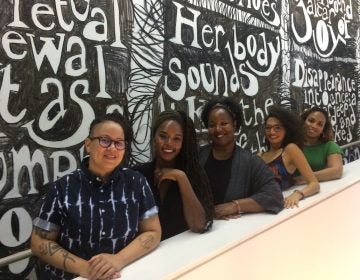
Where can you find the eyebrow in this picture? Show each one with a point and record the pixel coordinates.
(107, 136)
(163, 131)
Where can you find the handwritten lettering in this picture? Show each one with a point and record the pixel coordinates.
(326, 23)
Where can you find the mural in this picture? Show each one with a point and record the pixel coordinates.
(324, 61)
(63, 62)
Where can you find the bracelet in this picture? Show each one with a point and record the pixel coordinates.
(237, 206)
(300, 192)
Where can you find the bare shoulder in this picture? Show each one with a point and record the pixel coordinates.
(292, 148)
(291, 156)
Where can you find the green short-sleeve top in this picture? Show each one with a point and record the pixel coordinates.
(317, 154)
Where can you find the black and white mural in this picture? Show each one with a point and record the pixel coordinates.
(62, 62)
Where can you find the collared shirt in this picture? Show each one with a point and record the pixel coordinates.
(95, 217)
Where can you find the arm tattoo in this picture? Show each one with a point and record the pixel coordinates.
(51, 248)
(67, 257)
(147, 241)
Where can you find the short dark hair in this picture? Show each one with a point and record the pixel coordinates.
(117, 118)
(290, 121)
(226, 103)
(328, 133)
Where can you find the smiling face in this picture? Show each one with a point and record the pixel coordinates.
(221, 128)
(104, 160)
(274, 132)
(314, 125)
(168, 142)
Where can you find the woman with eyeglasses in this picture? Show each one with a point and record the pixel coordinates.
(240, 181)
(284, 140)
(322, 153)
(179, 183)
(99, 218)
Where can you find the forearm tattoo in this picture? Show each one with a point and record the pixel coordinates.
(67, 257)
(147, 241)
(51, 248)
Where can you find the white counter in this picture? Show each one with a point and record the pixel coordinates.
(187, 253)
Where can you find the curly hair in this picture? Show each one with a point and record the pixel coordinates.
(327, 133)
(188, 158)
(292, 125)
(226, 103)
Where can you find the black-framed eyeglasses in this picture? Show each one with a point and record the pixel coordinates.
(106, 142)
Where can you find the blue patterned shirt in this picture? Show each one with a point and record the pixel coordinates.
(94, 217)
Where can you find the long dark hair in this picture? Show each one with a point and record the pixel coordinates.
(188, 158)
(290, 121)
(328, 133)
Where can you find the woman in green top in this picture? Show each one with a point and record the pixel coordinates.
(322, 153)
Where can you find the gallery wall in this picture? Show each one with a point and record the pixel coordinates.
(63, 62)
